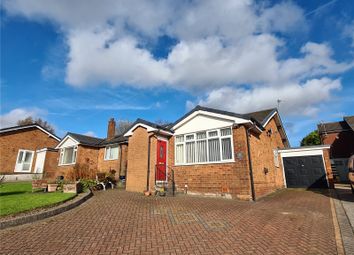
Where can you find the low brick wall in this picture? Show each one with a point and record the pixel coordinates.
(21, 177)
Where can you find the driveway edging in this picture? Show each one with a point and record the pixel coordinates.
(346, 231)
(47, 213)
(337, 232)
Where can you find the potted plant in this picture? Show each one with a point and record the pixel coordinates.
(52, 186)
(71, 187)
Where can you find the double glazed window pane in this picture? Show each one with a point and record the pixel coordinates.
(225, 132)
(180, 153)
(214, 150)
(202, 154)
(190, 152)
(111, 152)
(179, 139)
(68, 155)
(226, 148)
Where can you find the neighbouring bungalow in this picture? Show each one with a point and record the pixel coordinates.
(26, 150)
(340, 136)
(91, 154)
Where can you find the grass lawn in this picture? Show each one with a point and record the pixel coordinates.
(18, 197)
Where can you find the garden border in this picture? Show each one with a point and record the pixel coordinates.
(47, 213)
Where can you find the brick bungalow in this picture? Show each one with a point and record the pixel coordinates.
(210, 152)
(26, 150)
(91, 154)
(340, 136)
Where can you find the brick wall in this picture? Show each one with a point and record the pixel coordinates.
(342, 145)
(137, 160)
(262, 155)
(86, 157)
(326, 154)
(29, 139)
(218, 178)
(51, 164)
(119, 165)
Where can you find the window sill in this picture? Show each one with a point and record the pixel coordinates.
(27, 172)
(110, 159)
(69, 164)
(206, 163)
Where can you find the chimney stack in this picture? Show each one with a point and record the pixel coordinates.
(111, 130)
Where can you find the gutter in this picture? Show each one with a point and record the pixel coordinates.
(250, 163)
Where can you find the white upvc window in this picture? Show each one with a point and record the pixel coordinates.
(68, 155)
(24, 161)
(212, 146)
(111, 152)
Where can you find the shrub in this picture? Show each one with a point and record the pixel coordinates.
(87, 184)
(81, 171)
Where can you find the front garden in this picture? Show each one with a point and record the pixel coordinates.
(18, 197)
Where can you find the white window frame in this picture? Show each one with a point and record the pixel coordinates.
(219, 137)
(18, 155)
(61, 155)
(110, 147)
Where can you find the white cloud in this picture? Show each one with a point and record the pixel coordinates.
(349, 32)
(10, 119)
(114, 62)
(297, 99)
(90, 133)
(221, 47)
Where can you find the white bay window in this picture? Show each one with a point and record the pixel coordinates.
(203, 147)
(68, 155)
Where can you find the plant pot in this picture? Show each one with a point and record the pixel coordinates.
(52, 187)
(70, 188)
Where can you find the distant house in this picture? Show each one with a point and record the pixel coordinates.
(340, 136)
(93, 154)
(25, 150)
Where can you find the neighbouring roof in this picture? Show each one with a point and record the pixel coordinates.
(151, 124)
(115, 139)
(350, 121)
(332, 127)
(150, 127)
(86, 140)
(96, 142)
(26, 127)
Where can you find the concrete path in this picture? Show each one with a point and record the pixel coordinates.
(345, 216)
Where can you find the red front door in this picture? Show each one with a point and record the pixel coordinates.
(161, 160)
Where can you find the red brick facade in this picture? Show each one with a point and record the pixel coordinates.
(342, 143)
(267, 176)
(220, 179)
(217, 178)
(27, 139)
(92, 159)
(119, 165)
(138, 151)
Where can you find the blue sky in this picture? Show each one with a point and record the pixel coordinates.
(78, 66)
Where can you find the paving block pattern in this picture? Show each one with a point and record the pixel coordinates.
(119, 222)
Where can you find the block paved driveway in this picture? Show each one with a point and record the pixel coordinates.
(119, 222)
